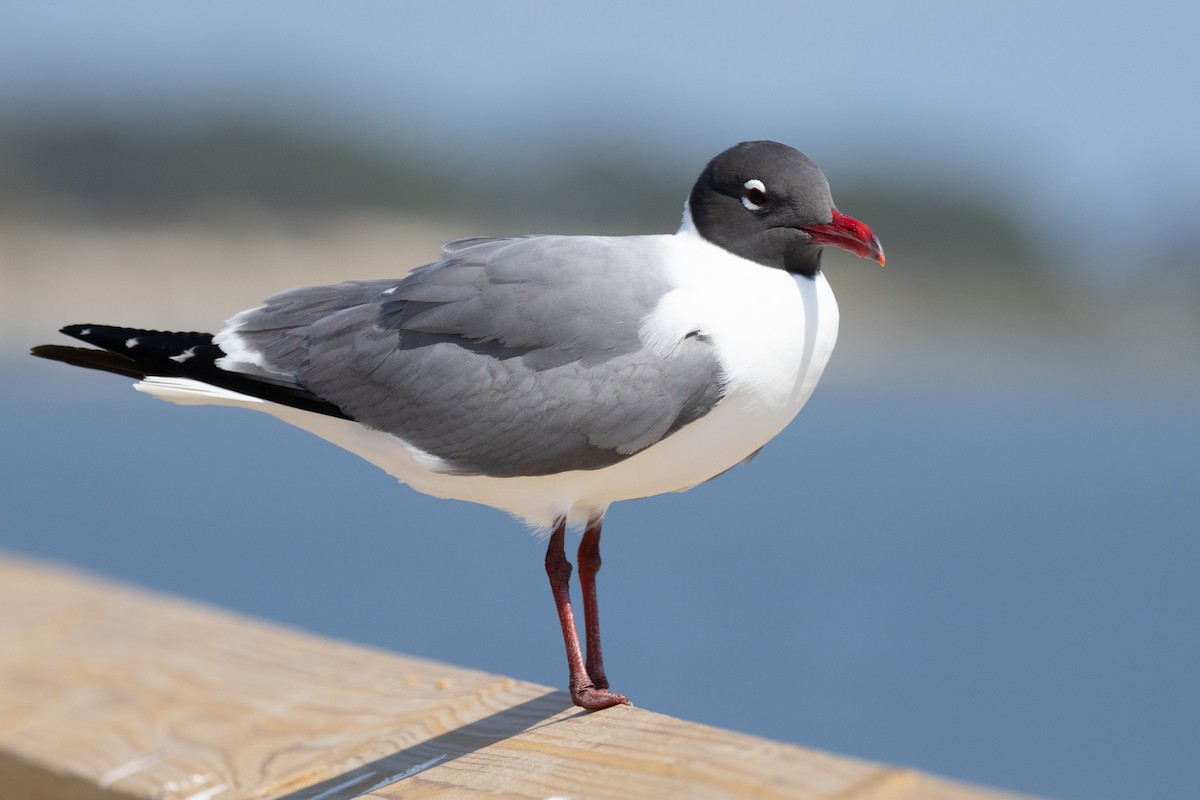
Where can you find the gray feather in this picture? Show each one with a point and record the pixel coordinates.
(507, 357)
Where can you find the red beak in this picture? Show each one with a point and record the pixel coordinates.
(848, 234)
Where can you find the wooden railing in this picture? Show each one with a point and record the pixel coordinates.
(107, 691)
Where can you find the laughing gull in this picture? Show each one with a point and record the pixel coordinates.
(547, 376)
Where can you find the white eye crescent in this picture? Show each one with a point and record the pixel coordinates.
(755, 195)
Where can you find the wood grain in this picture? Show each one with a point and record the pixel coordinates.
(112, 692)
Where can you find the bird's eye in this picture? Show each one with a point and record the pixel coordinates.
(755, 195)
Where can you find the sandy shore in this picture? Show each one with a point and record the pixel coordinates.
(186, 277)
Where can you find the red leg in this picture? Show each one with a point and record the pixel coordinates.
(589, 565)
(584, 693)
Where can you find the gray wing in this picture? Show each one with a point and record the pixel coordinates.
(507, 357)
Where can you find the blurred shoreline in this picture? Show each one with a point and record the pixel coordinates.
(909, 326)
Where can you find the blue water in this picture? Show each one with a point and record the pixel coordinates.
(996, 587)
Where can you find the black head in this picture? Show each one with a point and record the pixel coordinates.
(769, 203)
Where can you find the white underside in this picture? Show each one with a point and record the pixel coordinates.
(774, 333)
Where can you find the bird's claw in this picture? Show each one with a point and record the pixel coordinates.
(592, 699)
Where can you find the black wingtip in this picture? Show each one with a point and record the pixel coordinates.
(89, 358)
(85, 330)
(105, 336)
(138, 343)
(131, 352)
(138, 353)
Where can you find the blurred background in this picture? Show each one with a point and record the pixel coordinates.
(976, 550)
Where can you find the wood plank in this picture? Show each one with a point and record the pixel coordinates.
(107, 691)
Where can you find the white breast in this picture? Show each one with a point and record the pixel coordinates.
(773, 331)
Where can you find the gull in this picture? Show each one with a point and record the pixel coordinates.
(547, 376)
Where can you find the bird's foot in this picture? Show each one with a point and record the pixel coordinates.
(593, 699)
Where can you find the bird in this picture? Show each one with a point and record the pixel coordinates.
(548, 376)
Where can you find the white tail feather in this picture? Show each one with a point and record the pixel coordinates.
(188, 392)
